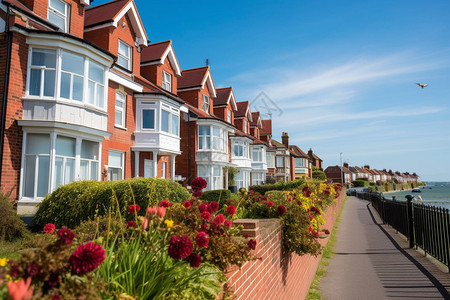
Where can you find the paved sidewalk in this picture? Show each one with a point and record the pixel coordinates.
(372, 262)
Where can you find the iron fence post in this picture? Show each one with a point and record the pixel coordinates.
(410, 219)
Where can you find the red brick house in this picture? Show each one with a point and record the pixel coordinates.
(266, 136)
(315, 160)
(258, 151)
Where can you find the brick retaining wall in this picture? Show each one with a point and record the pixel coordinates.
(276, 276)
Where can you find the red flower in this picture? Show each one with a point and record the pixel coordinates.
(326, 192)
(197, 193)
(53, 280)
(49, 228)
(56, 297)
(194, 260)
(214, 206)
(66, 235)
(14, 270)
(310, 229)
(252, 192)
(204, 207)
(290, 199)
(281, 209)
(164, 203)
(299, 202)
(33, 269)
(326, 231)
(315, 210)
(198, 183)
(228, 223)
(180, 246)
(134, 208)
(131, 224)
(202, 239)
(270, 204)
(263, 198)
(251, 244)
(206, 215)
(231, 210)
(87, 258)
(187, 204)
(219, 219)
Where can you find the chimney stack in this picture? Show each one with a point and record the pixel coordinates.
(367, 167)
(346, 165)
(285, 139)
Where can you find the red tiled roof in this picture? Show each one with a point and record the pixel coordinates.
(150, 87)
(255, 118)
(239, 132)
(22, 7)
(154, 51)
(103, 13)
(222, 96)
(241, 109)
(278, 144)
(192, 77)
(296, 151)
(266, 127)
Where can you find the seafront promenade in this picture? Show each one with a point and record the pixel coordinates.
(371, 261)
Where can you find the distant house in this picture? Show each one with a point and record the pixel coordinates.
(258, 151)
(315, 160)
(338, 174)
(282, 161)
(266, 137)
(300, 163)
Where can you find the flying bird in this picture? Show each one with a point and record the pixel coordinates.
(422, 85)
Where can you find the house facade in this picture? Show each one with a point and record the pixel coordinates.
(258, 151)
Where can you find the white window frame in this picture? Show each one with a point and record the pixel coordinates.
(245, 126)
(90, 161)
(120, 123)
(259, 154)
(242, 179)
(270, 157)
(124, 56)
(229, 116)
(164, 170)
(65, 158)
(121, 168)
(257, 178)
(171, 115)
(57, 83)
(65, 16)
(215, 182)
(276, 161)
(205, 103)
(240, 145)
(299, 162)
(141, 112)
(167, 81)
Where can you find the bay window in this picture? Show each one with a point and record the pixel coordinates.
(89, 160)
(270, 156)
(280, 161)
(64, 160)
(36, 167)
(57, 73)
(167, 81)
(169, 122)
(148, 119)
(257, 178)
(242, 179)
(212, 175)
(299, 163)
(119, 114)
(58, 14)
(257, 154)
(240, 149)
(116, 165)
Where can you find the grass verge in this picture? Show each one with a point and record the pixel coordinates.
(328, 252)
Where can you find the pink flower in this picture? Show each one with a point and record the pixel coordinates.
(204, 207)
(66, 235)
(161, 211)
(270, 204)
(214, 206)
(33, 269)
(150, 211)
(315, 210)
(144, 224)
(219, 219)
(202, 239)
(194, 260)
(251, 244)
(20, 290)
(228, 223)
(231, 210)
(252, 192)
(206, 215)
(86, 258)
(187, 204)
(134, 208)
(281, 209)
(131, 224)
(164, 203)
(180, 246)
(49, 228)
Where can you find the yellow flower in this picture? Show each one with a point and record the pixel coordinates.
(7, 277)
(169, 223)
(3, 261)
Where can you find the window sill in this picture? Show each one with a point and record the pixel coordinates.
(120, 127)
(66, 102)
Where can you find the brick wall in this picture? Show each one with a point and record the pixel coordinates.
(276, 275)
(188, 148)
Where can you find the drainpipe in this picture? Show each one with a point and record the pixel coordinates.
(5, 89)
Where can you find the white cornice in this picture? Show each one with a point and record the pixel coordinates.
(125, 82)
(208, 80)
(135, 22)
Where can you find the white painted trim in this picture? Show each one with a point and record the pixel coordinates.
(208, 80)
(64, 128)
(2, 25)
(135, 22)
(233, 102)
(172, 58)
(99, 27)
(85, 2)
(190, 89)
(125, 82)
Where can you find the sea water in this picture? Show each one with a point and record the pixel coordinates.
(436, 195)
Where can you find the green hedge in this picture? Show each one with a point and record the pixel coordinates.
(79, 201)
(216, 195)
(360, 183)
(279, 186)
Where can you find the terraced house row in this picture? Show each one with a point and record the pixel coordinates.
(85, 96)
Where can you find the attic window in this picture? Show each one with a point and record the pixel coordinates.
(205, 105)
(229, 116)
(58, 13)
(124, 57)
(167, 81)
(246, 126)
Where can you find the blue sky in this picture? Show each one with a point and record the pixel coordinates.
(343, 73)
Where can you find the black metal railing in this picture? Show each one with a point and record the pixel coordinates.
(425, 226)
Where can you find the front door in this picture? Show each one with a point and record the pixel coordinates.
(148, 168)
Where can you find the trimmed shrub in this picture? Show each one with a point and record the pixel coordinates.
(216, 195)
(79, 201)
(318, 174)
(11, 226)
(360, 183)
(279, 186)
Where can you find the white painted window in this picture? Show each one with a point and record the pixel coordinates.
(299, 162)
(240, 149)
(89, 160)
(163, 170)
(243, 179)
(167, 81)
(116, 165)
(58, 14)
(148, 168)
(270, 156)
(257, 178)
(124, 55)
(49, 69)
(212, 175)
(205, 105)
(245, 126)
(120, 108)
(257, 154)
(148, 119)
(204, 137)
(217, 177)
(229, 116)
(36, 168)
(280, 161)
(169, 122)
(205, 173)
(64, 160)
(216, 138)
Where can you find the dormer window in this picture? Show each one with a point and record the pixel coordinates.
(167, 81)
(245, 126)
(124, 57)
(58, 14)
(229, 116)
(205, 105)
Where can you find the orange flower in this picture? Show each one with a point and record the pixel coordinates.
(20, 290)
